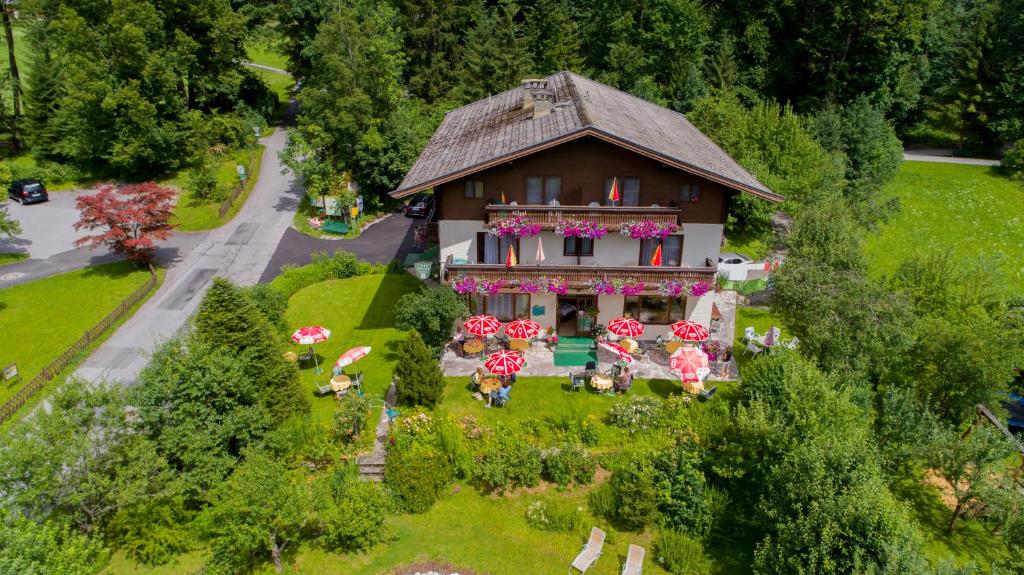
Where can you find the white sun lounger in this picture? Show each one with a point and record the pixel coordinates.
(590, 552)
(634, 564)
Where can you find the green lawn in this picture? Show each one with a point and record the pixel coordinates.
(962, 211)
(280, 84)
(761, 319)
(194, 215)
(12, 258)
(41, 319)
(358, 311)
(265, 53)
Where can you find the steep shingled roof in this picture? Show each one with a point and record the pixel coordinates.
(498, 129)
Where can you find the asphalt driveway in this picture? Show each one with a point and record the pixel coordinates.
(386, 240)
(47, 228)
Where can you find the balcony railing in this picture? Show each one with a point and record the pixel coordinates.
(612, 217)
(577, 276)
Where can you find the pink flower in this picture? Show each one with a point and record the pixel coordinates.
(464, 285)
(699, 288)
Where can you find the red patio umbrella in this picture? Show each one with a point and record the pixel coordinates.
(353, 355)
(309, 336)
(687, 330)
(688, 361)
(504, 362)
(626, 326)
(482, 325)
(522, 328)
(617, 350)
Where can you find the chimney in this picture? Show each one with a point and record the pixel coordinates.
(537, 98)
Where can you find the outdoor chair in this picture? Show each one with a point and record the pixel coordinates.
(590, 369)
(357, 382)
(499, 401)
(590, 552)
(321, 390)
(578, 381)
(308, 356)
(634, 564)
(753, 349)
(792, 343)
(750, 335)
(708, 393)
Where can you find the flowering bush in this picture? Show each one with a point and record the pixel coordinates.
(631, 288)
(464, 285)
(646, 229)
(564, 517)
(699, 288)
(529, 286)
(580, 229)
(568, 463)
(516, 226)
(712, 349)
(485, 287)
(671, 288)
(558, 286)
(601, 287)
(417, 424)
(637, 413)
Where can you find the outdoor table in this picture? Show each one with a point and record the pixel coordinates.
(601, 382)
(629, 345)
(672, 346)
(340, 383)
(490, 384)
(693, 387)
(473, 346)
(519, 344)
(291, 356)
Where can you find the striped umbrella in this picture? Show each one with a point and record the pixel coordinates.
(687, 330)
(504, 362)
(482, 325)
(689, 362)
(311, 335)
(522, 328)
(626, 326)
(617, 350)
(353, 355)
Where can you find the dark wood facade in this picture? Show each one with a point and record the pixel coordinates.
(583, 166)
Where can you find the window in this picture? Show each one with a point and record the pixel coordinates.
(542, 190)
(474, 188)
(492, 249)
(578, 247)
(629, 191)
(504, 306)
(671, 251)
(655, 309)
(689, 193)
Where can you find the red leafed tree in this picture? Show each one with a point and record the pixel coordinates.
(130, 219)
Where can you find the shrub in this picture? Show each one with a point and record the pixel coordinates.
(418, 378)
(637, 413)
(417, 476)
(679, 554)
(300, 441)
(352, 514)
(351, 418)
(451, 443)
(568, 463)
(432, 313)
(575, 424)
(508, 461)
(339, 265)
(685, 504)
(201, 179)
(5, 175)
(601, 502)
(1013, 160)
(635, 494)
(271, 303)
(561, 516)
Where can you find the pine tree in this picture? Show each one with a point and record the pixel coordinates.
(435, 31)
(418, 378)
(41, 104)
(229, 321)
(496, 57)
(554, 37)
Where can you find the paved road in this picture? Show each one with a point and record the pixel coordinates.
(917, 157)
(267, 68)
(386, 240)
(239, 250)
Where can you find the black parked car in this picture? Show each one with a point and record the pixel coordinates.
(27, 191)
(419, 206)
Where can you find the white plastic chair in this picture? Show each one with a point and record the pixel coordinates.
(753, 349)
(634, 564)
(791, 344)
(749, 334)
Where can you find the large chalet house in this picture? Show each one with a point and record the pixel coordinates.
(627, 198)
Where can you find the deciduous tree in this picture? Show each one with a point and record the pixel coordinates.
(130, 219)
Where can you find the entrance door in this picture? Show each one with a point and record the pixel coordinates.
(572, 317)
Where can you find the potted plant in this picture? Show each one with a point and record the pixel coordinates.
(727, 353)
(720, 281)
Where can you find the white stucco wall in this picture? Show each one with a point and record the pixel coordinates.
(701, 241)
(549, 302)
(458, 239)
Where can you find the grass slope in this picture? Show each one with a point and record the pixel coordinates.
(193, 215)
(962, 211)
(40, 319)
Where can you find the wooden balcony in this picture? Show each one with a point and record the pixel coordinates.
(612, 217)
(577, 276)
